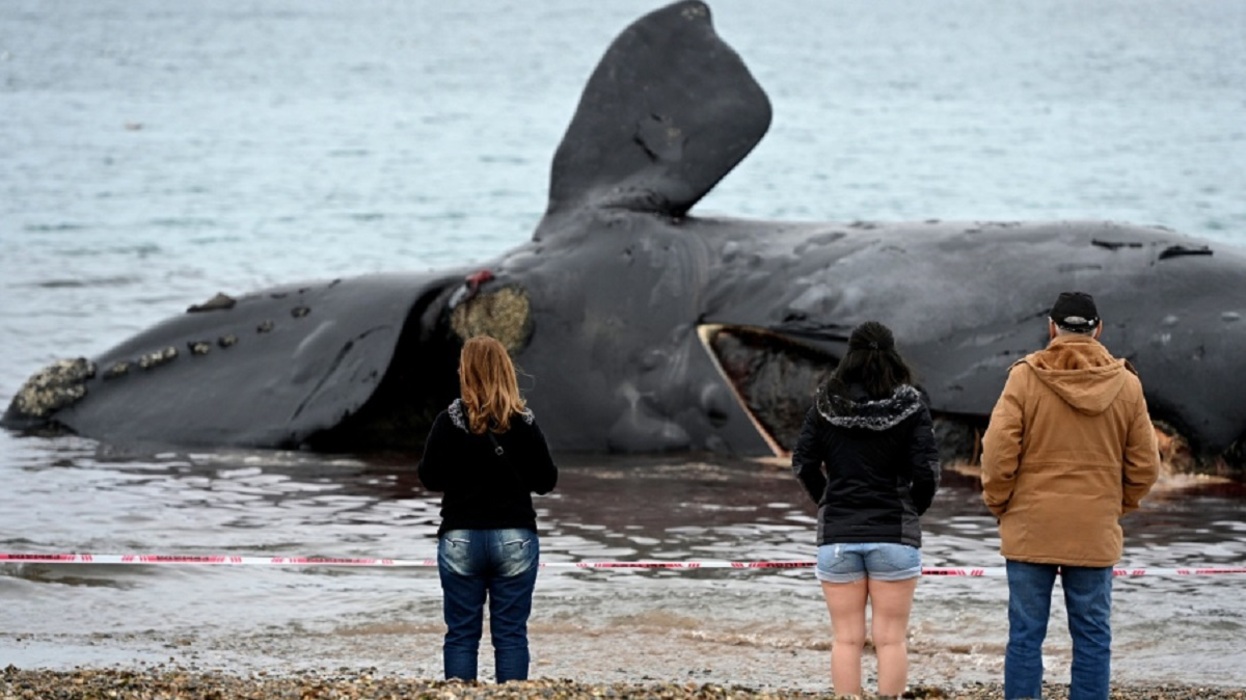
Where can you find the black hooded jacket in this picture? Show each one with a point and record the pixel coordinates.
(871, 466)
(482, 490)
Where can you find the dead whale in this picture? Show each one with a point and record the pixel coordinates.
(645, 328)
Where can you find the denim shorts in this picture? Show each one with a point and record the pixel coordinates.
(882, 561)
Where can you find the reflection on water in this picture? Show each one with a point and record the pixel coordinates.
(69, 495)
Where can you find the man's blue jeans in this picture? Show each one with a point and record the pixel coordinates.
(1088, 599)
(497, 565)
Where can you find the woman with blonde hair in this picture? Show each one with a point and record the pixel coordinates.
(867, 456)
(487, 455)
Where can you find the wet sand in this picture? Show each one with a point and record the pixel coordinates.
(403, 661)
(171, 681)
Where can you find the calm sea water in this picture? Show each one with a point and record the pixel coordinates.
(155, 153)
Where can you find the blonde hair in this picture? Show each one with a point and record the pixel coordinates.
(488, 386)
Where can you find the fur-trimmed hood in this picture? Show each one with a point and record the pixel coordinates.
(845, 412)
(458, 415)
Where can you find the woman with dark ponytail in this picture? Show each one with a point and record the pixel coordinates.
(867, 456)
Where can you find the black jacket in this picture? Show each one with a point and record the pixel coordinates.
(871, 466)
(485, 491)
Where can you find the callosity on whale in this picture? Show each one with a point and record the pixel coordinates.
(647, 329)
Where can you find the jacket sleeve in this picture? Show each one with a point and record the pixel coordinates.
(433, 466)
(1001, 445)
(807, 458)
(924, 460)
(1141, 464)
(540, 473)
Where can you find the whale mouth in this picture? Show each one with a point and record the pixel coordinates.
(772, 376)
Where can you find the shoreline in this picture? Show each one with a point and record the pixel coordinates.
(171, 680)
(569, 660)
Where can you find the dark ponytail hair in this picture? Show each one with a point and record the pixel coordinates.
(872, 362)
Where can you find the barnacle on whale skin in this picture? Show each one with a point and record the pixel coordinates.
(158, 357)
(505, 314)
(54, 387)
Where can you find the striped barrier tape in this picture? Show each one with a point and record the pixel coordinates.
(233, 560)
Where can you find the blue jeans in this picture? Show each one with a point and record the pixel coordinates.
(1088, 599)
(498, 565)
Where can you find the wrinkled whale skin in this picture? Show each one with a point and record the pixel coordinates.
(965, 299)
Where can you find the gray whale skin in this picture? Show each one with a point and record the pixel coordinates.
(642, 328)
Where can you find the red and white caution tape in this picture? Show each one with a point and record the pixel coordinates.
(232, 560)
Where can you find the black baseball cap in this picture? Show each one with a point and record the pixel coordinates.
(1075, 311)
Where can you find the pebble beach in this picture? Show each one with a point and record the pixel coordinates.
(169, 682)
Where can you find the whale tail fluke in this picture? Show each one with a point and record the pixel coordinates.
(668, 112)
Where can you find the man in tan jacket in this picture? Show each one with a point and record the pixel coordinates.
(1069, 449)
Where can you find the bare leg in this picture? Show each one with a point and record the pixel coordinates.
(846, 603)
(890, 605)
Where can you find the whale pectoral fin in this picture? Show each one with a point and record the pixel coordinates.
(668, 112)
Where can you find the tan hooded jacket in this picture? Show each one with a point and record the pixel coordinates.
(1069, 449)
